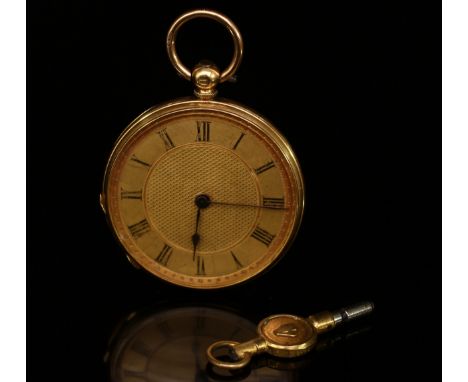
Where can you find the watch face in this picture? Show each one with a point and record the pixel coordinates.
(203, 194)
(170, 345)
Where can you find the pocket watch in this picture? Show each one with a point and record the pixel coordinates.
(203, 192)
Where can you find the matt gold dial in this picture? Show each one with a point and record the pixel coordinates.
(203, 194)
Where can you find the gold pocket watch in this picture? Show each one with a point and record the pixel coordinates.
(203, 193)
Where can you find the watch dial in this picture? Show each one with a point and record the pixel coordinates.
(203, 199)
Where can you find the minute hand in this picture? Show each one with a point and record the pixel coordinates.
(248, 205)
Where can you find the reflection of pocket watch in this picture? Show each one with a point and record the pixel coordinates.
(200, 192)
(170, 345)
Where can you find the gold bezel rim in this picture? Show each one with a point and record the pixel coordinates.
(233, 110)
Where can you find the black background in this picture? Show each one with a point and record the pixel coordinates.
(355, 88)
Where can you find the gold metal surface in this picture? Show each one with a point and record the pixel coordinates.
(205, 77)
(287, 335)
(245, 349)
(242, 362)
(133, 262)
(203, 13)
(322, 322)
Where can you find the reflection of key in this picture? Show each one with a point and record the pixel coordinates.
(285, 335)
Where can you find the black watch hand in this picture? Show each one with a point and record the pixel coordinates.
(201, 201)
(196, 236)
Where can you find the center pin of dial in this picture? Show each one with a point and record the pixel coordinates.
(202, 201)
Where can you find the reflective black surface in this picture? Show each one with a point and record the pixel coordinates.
(170, 345)
(169, 342)
(355, 88)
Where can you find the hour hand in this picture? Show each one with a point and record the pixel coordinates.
(201, 201)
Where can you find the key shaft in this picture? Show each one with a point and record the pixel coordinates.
(326, 321)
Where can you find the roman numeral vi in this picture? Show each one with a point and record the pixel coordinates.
(200, 266)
